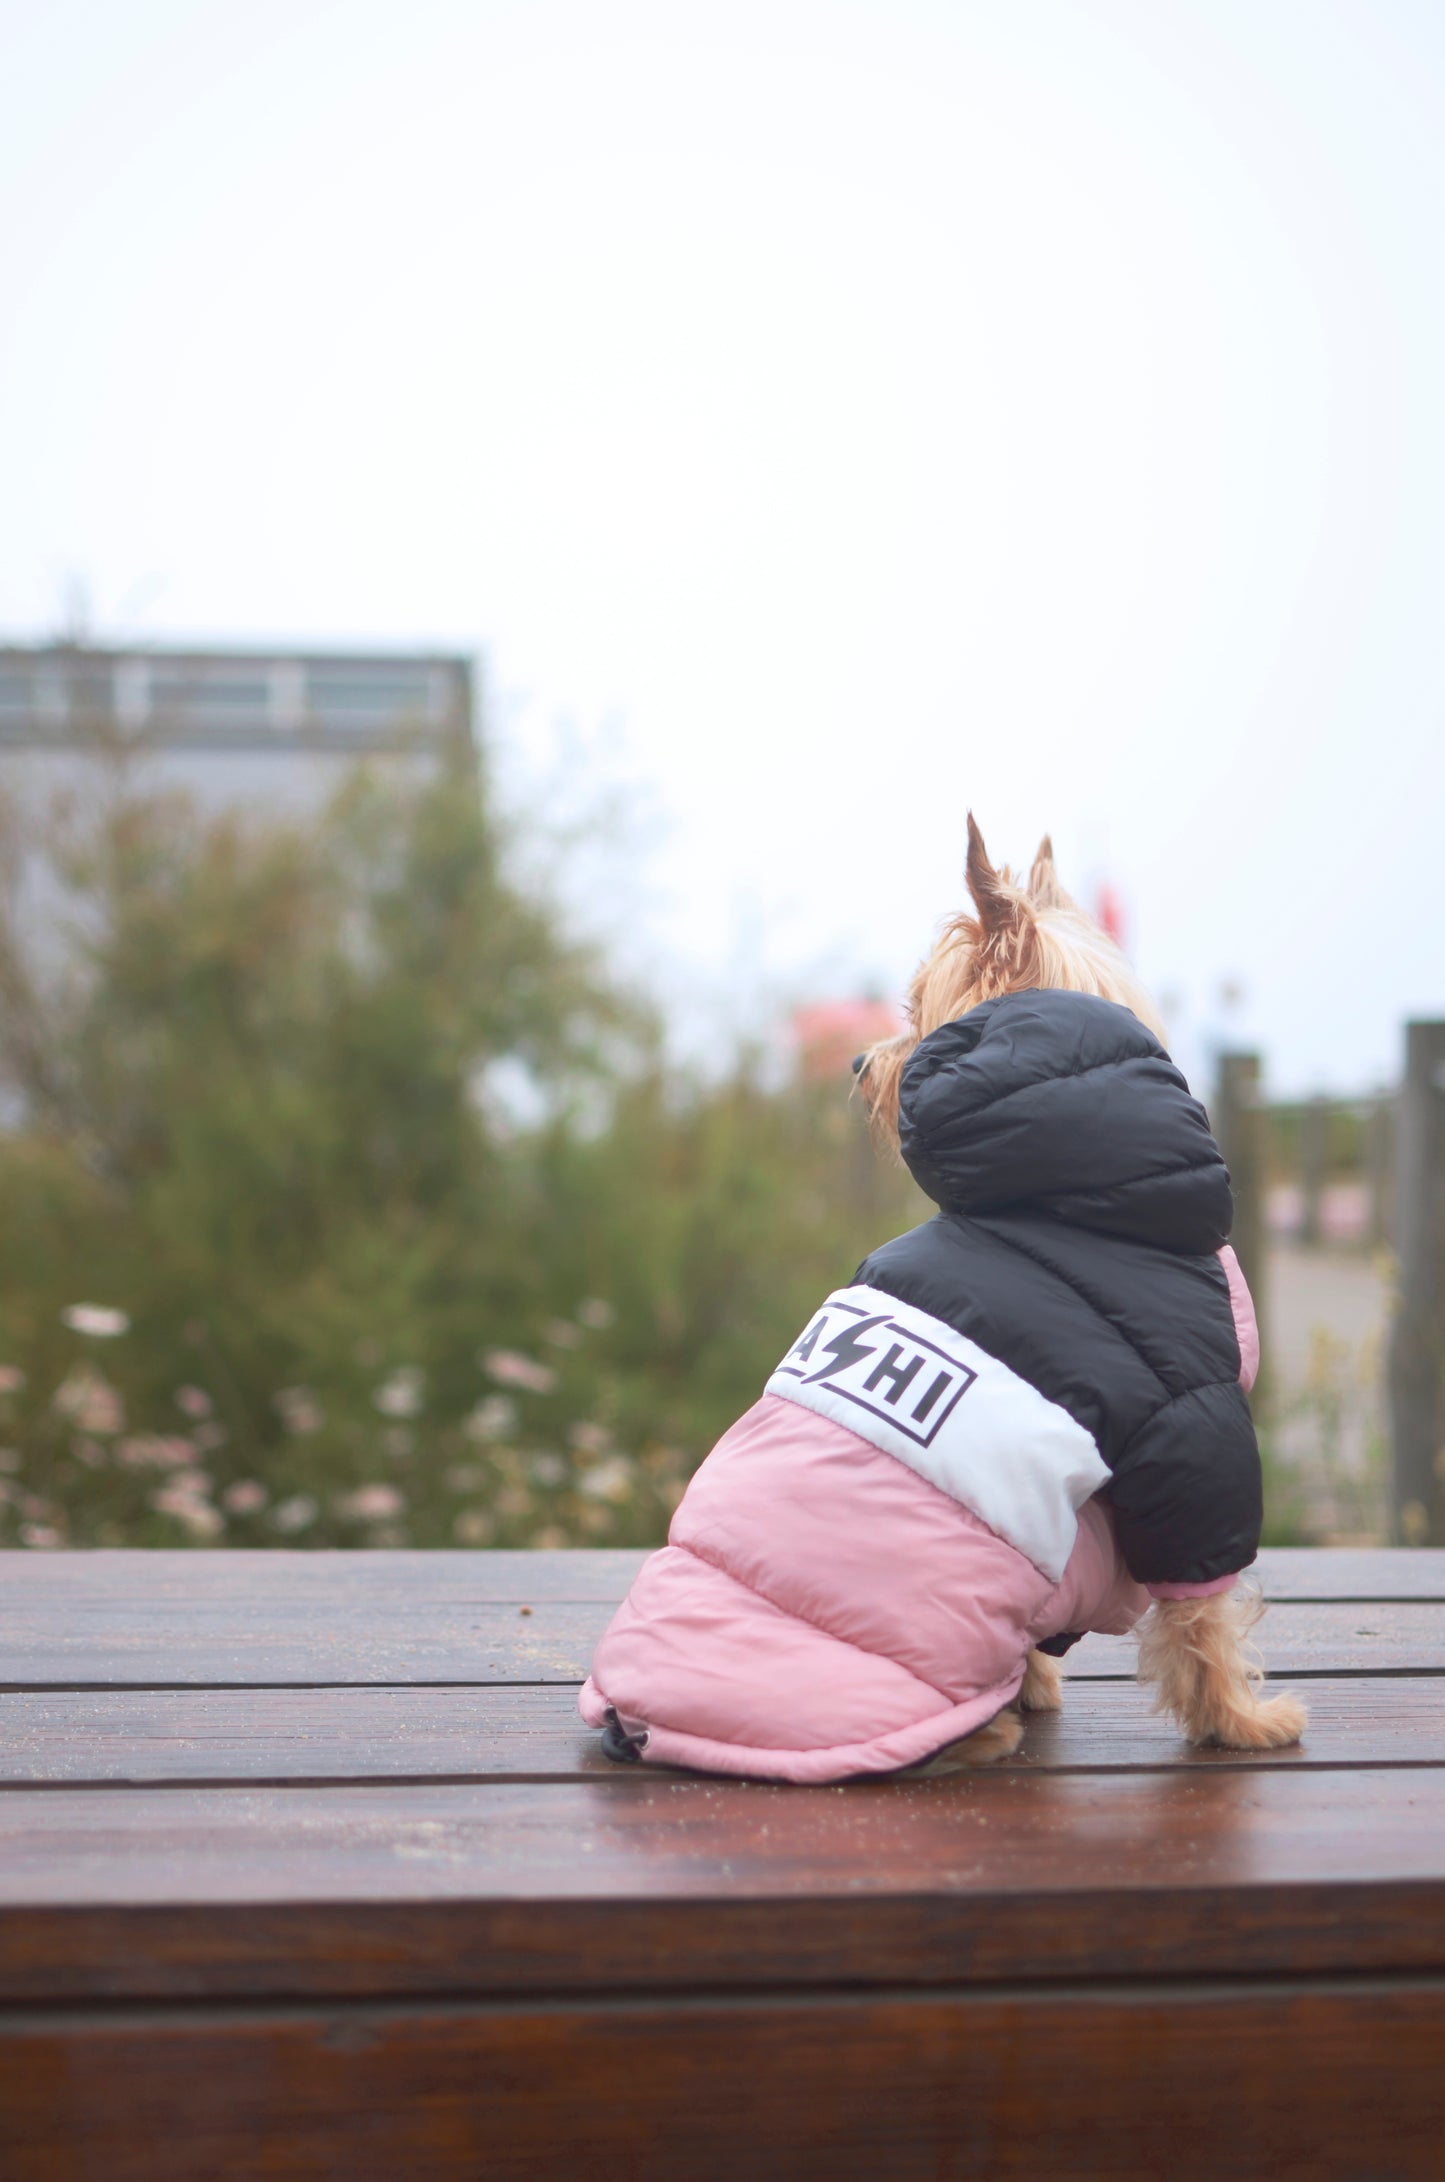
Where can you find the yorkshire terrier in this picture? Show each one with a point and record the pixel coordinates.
(1196, 1651)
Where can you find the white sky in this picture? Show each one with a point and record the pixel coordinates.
(871, 408)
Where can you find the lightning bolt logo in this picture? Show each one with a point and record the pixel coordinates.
(846, 1347)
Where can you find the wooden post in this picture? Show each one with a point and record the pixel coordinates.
(1314, 1146)
(1239, 1124)
(1379, 1171)
(1417, 1348)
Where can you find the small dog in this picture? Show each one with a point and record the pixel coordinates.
(1022, 1420)
(1197, 1651)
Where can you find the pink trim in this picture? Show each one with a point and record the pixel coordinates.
(878, 1754)
(1246, 1326)
(1193, 1590)
(1097, 1591)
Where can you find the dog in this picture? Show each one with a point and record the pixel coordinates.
(1197, 1652)
(1020, 1421)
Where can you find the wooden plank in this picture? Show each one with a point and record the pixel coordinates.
(447, 1576)
(1306, 1639)
(676, 1834)
(1258, 2082)
(188, 1642)
(1354, 1721)
(303, 1642)
(336, 1577)
(1347, 1572)
(656, 1881)
(253, 1737)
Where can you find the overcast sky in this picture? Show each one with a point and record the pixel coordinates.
(842, 413)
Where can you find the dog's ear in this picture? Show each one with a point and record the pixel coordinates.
(1008, 937)
(996, 901)
(1044, 890)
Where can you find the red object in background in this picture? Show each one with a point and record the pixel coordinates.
(1109, 911)
(830, 1032)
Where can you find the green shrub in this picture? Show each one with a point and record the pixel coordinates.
(368, 1293)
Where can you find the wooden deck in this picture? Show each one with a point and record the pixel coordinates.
(309, 1869)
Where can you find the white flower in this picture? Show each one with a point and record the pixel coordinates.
(99, 1320)
(546, 1469)
(299, 1409)
(194, 1400)
(155, 1451)
(590, 1440)
(562, 1333)
(90, 1401)
(298, 1513)
(246, 1497)
(182, 1501)
(492, 1419)
(474, 1527)
(509, 1367)
(400, 1395)
(610, 1480)
(370, 1504)
(41, 1536)
(595, 1314)
(12, 1378)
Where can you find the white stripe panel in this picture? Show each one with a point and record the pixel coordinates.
(960, 1418)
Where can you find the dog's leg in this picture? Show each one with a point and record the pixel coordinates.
(1207, 1673)
(1043, 1684)
(997, 1738)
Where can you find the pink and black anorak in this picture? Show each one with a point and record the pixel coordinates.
(1015, 1424)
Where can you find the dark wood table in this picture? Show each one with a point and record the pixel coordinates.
(308, 1868)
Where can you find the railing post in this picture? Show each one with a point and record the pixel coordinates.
(1314, 1143)
(1417, 1347)
(1239, 1124)
(1379, 1171)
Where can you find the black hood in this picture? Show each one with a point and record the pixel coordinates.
(1063, 1104)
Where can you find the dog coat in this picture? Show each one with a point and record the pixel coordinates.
(1016, 1423)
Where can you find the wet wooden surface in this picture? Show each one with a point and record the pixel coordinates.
(221, 1620)
(308, 1867)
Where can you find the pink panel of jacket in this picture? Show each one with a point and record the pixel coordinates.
(821, 1610)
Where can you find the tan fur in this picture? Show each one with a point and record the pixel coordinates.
(1208, 1674)
(1043, 1684)
(997, 1738)
(1198, 1651)
(1020, 936)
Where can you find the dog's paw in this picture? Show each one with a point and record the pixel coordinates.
(1043, 1684)
(1271, 1724)
(997, 1738)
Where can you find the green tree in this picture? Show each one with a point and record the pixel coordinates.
(413, 1235)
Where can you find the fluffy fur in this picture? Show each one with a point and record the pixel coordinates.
(1197, 1652)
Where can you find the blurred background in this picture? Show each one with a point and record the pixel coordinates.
(522, 531)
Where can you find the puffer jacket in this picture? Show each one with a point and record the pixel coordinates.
(1016, 1423)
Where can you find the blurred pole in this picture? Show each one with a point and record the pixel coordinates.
(1314, 1143)
(1239, 1124)
(1417, 1348)
(1379, 1171)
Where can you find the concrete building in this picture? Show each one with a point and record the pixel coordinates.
(265, 728)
